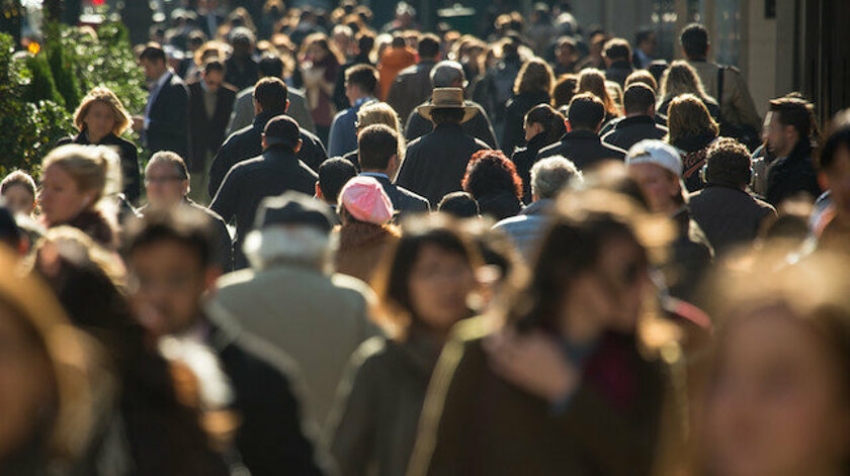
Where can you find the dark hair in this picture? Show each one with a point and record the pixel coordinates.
(429, 46)
(172, 159)
(564, 90)
(459, 205)
(694, 39)
(534, 76)
(271, 94)
(398, 41)
(491, 172)
(392, 278)
(638, 99)
(375, 145)
(271, 66)
(644, 77)
(213, 65)
(153, 52)
(364, 76)
(365, 42)
(447, 114)
(617, 49)
(551, 120)
(839, 137)
(586, 111)
(643, 35)
(184, 225)
(657, 69)
(795, 112)
(727, 162)
(334, 173)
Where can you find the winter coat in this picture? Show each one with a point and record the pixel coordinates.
(207, 131)
(692, 257)
(478, 126)
(618, 72)
(499, 205)
(130, 175)
(411, 87)
(584, 148)
(694, 150)
(729, 216)
(628, 131)
(362, 247)
(93, 223)
(404, 201)
(789, 176)
(515, 111)
(524, 159)
(391, 63)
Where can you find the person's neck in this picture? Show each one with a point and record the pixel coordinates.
(93, 138)
(376, 171)
(637, 114)
(578, 327)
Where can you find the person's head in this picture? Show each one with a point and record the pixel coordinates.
(448, 74)
(365, 43)
(213, 75)
(360, 82)
(166, 179)
(593, 81)
(377, 147)
(375, 112)
(680, 78)
(834, 163)
(543, 119)
(426, 278)
(271, 96)
(551, 175)
(429, 47)
(292, 229)
(363, 200)
(535, 76)
(657, 168)
(566, 51)
(586, 112)
(282, 133)
(490, 172)
(153, 62)
(789, 121)
(644, 77)
(333, 175)
(459, 205)
(687, 116)
(616, 49)
(728, 163)
(45, 389)
(19, 193)
(639, 100)
(564, 90)
(646, 41)
(73, 180)
(778, 376)
(101, 113)
(242, 40)
(171, 262)
(695, 43)
(447, 107)
(270, 66)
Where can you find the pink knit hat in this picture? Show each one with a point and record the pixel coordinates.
(365, 199)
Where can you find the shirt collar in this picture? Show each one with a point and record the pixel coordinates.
(375, 174)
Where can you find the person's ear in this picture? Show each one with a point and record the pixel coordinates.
(211, 275)
(185, 187)
(298, 145)
(823, 181)
(318, 190)
(286, 108)
(264, 144)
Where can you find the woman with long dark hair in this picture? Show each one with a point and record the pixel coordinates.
(543, 126)
(533, 86)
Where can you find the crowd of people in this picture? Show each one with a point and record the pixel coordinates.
(359, 249)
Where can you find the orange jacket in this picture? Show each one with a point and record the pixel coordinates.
(392, 61)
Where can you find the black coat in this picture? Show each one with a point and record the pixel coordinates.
(246, 143)
(168, 128)
(435, 164)
(729, 216)
(270, 437)
(692, 256)
(789, 176)
(499, 205)
(513, 134)
(478, 126)
(404, 201)
(242, 73)
(694, 151)
(584, 148)
(630, 130)
(618, 72)
(524, 159)
(207, 133)
(130, 175)
(248, 183)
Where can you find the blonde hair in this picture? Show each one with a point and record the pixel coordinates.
(92, 168)
(535, 75)
(688, 116)
(105, 96)
(592, 81)
(680, 78)
(375, 112)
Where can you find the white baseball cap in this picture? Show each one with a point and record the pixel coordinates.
(656, 152)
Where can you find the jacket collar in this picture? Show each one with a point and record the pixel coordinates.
(263, 118)
(633, 121)
(540, 207)
(581, 134)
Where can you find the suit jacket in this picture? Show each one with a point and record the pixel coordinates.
(435, 164)
(131, 177)
(168, 126)
(207, 133)
(629, 131)
(404, 201)
(584, 148)
(410, 88)
(243, 111)
(478, 126)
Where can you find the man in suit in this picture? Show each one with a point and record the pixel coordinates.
(378, 149)
(165, 124)
(360, 83)
(210, 104)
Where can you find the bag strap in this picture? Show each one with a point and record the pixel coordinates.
(720, 75)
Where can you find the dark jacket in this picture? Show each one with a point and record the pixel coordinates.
(692, 256)
(374, 422)
(789, 176)
(584, 148)
(96, 226)
(241, 73)
(499, 205)
(630, 130)
(435, 164)
(729, 216)
(524, 159)
(694, 150)
(410, 88)
(168, 128)
(513, 135)
(248, 183)
(475, 422)
(271, 437)
(404, 201)
(478, 126)
(618, 72)
(207, 133)
(130, 175)
(247, 143)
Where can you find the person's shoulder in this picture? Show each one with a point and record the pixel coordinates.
(618, 152)
(308, 136)
(411, 195)
(415, 144)
(229, 90)
(551, 149)
(210, 213)
(231, 281)
(248, 92)
(510, 222)
(371, 355)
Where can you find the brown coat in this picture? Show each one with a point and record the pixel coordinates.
(361, 247)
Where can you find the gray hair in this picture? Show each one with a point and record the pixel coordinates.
(550, 175)
(445, 73)
(305, 246)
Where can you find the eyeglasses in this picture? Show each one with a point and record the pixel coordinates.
(162, 180)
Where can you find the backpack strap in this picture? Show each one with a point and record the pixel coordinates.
(720, 74)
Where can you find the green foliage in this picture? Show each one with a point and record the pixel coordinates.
(41, 86)
(61, 68)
